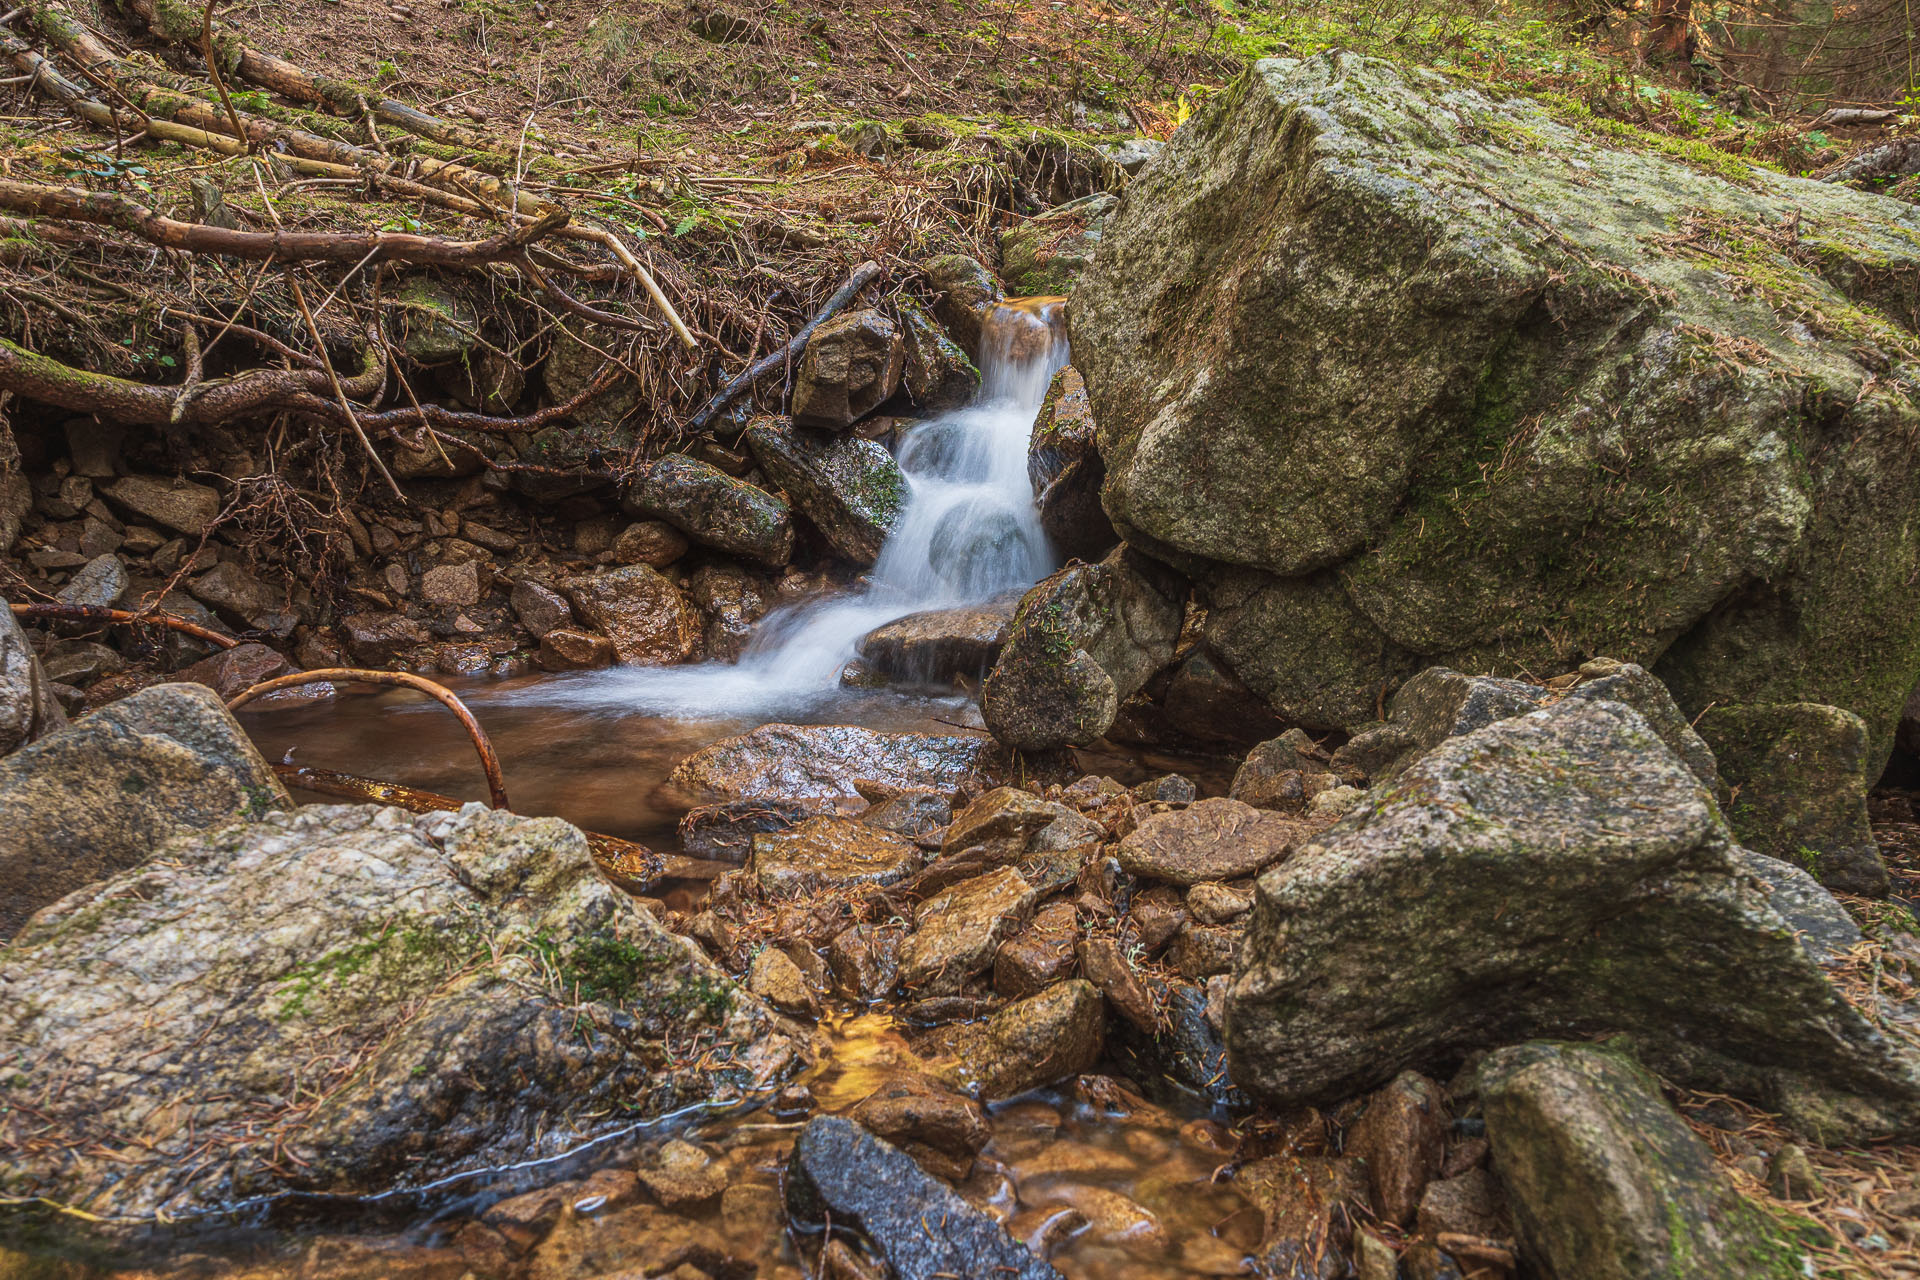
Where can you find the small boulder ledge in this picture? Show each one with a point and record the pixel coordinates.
(821, 763)
(1399, 330)
(1561, 873)
(350, 999)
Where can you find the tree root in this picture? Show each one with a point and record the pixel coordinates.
(95, 613)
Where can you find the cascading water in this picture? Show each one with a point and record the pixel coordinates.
(969, 531)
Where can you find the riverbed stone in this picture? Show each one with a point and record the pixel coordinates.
(102, 795)
(240, 597)
(571, 649)
(1402, 1137)
(1031, 1042)
(964, 290)
(1800, 770)
(1216, 839)
(1039, 955)
(28, 708)
(937, 646)
(1082, 642)
(850, 488)
(842, 1174)
(1624, 906)
(733, 599)
(957, 930)
(570, 368)
(180, 505)
(826, 853)
(378, 639)
(1607, 1182)
(1419, 451)
(788, 761)
(231, 672)
(641, 611)
(459, 584)
(851, 363)
(713, 508)
(461, 991)
(1002, 825)
(539, 607)
(98, 584)
(649, 542)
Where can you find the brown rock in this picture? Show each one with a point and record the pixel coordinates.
(539, 607)
(958, 930)
(1199, 951)
(725, 832)
(1470, 1204)
(682, 1176)
(1215, 903)
(567, 649)
(652, 542)
(829, 853)
(234, 670)
(1308, 1203)
(1003, 824)
(180, 505)
(1039, 955)
(1107, 967)
(1031, 1042)
(909, 1111)
(733, 600)
(852, 363)
(376, 639)
(454, 584)
(775, 978)
(28, 707)
(646, 617)
(865, 961)
(1402, 1136)
(1211, 840)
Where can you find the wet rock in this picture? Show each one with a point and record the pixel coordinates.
(650, 542)
(1402, 1137)
(1205, 701)
(1198, 952)
(1625, 907)
(640, 1240)
(922, 817)
(919, 1117)
(232, 671)
(179, 505)
(98, 584)
(432, 1036)
(850, 488)
(1157, 915)
(775, 978)
(713, 508)
(830, 853)
(539, 607)
(570, 649)
(649, 622)
(78, 662)
(1082, 642)
(1031, 1042)
(28, 709)
(841, 1173)
(824, 761)
(865, 961)
(938, 374)
(1004, 824)
(242, 599)
(1046, 254)
(1063, 464)
(1800, 771)
(966, 289)
(958, 930)
(725, 832)
(1039, 955)
(939, 645)
(733, 601)
(455, 584)
(680, 1175)
(1107, 967)
(1607, 1182)
(102, 795)
(1181, 1054)
(852, 363)
(1218, 839)
(1308, 1203)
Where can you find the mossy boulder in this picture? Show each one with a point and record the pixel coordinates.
(713, 508)
(939, 375)
(1800, 778)
(964, 290)
(850, 488)
(1607, 1182)
(1063, 462)
(1045, 255)
(1561, 872)
(349, 1000)
(1443, 379)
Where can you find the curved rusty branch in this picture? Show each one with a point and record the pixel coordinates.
(496, 786)
(95, 613)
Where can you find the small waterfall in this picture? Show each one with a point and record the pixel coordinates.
(969, 531)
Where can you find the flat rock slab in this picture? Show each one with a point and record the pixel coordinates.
(938, 645)
(1561, 872)
(830, 853)
(102, 795)
(1216, 839)
(789, 762)
(349, 999)
(842, 1174)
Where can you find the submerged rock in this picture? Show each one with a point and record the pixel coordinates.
(1401, 325)
(1031, 1042)
(1607, 1183)
(843, 1175)
(852, 363)
(940, 645)
(1082, 642)
(713, 508)
(788, 761)
(1801, 774)
(850, 488)
(28, 709)
(101, 796)
(1624, 906)
(453, 993)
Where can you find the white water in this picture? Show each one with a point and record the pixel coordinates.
(969, 531)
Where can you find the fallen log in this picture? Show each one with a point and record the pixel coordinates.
(863, 275)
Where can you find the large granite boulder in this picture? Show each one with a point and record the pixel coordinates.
(713, 508)
(1561, 872)
(1082, 642)
(349, 999)
(1046, 254)
(850, 488)
(28, 709)
(101, 796)
(1445, 379)
(1607, 1183)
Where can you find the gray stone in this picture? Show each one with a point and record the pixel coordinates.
(713, 508)
(1134, 154)
(852, 363)
(1402, 324)
(243, 599)
(939, 645)
(1606, 1182)
(850, 488)
(16, 501)
(939, 376)
(447, 994)
(539, 607)
(98, 584)
(454, 584)
(28, 708)
(179, 505)
(1623, 906)
(1082, 642)
(786, 761)
(964, 290)
(102, 795)
(1046, 253)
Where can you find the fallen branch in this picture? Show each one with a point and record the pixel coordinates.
(863, 275)
(489, 762)
(104, 208)
(95, 613)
